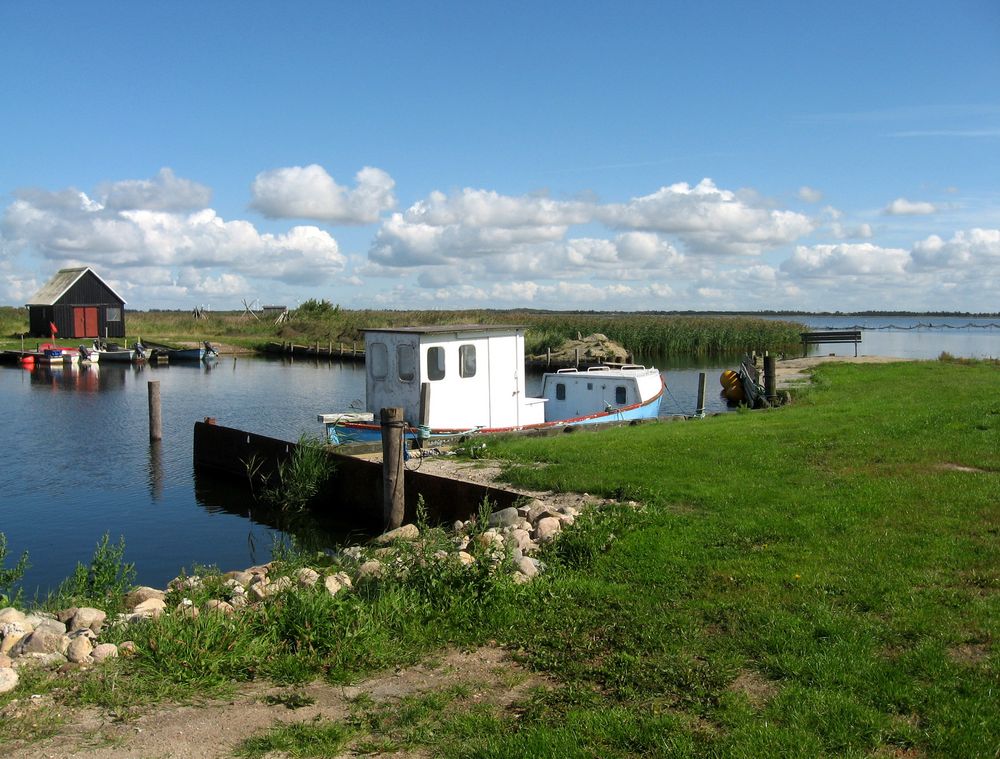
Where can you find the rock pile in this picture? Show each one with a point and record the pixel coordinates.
(71, 637)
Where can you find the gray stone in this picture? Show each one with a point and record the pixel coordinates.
(8, 679)
(87, 617)
(504, 517)
(49, 624)
(407, 532)
(279, 585)
(79, 649)
(40, 661)
(41, 641)
(104, 651)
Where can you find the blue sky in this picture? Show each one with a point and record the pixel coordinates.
(626, 156)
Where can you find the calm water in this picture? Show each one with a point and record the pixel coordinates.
(78, 461)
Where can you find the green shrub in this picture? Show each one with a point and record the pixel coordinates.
(10, 577)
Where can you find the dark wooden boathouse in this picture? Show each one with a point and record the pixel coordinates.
(80, 304)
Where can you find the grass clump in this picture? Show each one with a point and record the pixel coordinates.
(101, 583)
(11, 576)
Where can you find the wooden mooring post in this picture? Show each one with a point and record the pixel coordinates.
(702, 384)
(155, 418)
(392, 466)
(770, 379)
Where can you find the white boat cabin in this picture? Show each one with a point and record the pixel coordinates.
(458, 377)
(574, 393)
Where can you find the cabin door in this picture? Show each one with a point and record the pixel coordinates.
(85, 321)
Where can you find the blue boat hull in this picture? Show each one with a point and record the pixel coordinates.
(342, 433)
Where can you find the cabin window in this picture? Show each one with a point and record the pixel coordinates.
(406, 362)
(620, 395)
(379, 361)
(435, 363)
(467, 361)
(560, 391)
(113, 315)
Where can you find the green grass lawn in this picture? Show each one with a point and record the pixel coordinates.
(820, 580)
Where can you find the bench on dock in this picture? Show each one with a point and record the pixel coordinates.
(831, 336)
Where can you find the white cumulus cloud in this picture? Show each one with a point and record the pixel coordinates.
(904, 207)
(309, 192)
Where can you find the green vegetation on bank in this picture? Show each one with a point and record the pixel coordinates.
(817, 580)
(324, 323)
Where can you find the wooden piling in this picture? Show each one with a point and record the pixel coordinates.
(392, 466)
(770, 379)
(702, 385)
(155, 418)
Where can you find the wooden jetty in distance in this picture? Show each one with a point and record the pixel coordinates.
(329, 352)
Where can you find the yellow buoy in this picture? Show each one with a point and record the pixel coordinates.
(732, 388)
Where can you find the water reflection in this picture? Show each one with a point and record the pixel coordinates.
(315, 530)
(156, 469)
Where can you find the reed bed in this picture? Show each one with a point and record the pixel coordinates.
(324, 323)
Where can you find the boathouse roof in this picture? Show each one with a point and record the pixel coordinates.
(60, 284)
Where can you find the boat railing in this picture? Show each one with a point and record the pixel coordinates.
(604, 368)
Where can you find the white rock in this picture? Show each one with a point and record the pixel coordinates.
(547, 528)
(307, 577)
(466, 558)
(87, 618)
(8, 680)
(528, 567)
(10, 614)
(406, 532)
(150, 608)
(141, 594)
(371, 570)
(104, 651)
(221, 607)
(79, 649)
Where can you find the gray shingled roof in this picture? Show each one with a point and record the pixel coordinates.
(63, 279)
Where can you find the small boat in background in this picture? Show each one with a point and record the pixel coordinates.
(204, 352)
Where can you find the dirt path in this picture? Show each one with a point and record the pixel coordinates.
(214, 729)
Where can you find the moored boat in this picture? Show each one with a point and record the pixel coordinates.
(469, 379)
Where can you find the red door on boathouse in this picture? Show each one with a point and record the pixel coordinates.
(85, 321)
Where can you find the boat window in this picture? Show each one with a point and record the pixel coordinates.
(435, 363)
(406, 363)
(620, 395)
(467, 361)
(113, 314)
(379, 361)
(560, 391)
